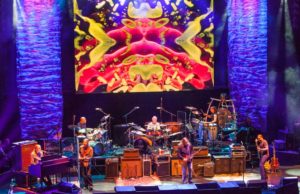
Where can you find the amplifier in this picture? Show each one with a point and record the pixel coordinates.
(222, 164)
(98, 165)
(208, 169)
(131, 153)
(198, 164)
(238, 164)
(112, 167)
(147, 168)
(163, 158)
(163, 169)
(131, 167)
(176, 167)
(203, 150)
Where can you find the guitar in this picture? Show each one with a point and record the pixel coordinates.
(274, 160)
(189, 158)
(85, 156)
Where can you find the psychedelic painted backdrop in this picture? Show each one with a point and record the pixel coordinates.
(143, 46)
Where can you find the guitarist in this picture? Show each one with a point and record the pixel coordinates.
(85, 154)
(184, 152)
(262, 147)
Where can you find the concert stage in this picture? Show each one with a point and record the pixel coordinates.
(173, 184)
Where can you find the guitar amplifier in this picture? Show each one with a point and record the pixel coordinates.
(203, 150)
(163, 169)
(238, 164)
(112, 167)
(222, 164)
(147, 168)
(208, 169)
(163, 166)
(131, 153)
(176, 167)
(131, 167)
(198, 164)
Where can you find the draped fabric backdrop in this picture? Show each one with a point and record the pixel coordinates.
(247, 59)
(38, 26)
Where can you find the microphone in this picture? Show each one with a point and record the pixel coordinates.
(98, 109)
(136, 107)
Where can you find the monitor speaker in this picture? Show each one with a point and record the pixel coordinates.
(68, 187)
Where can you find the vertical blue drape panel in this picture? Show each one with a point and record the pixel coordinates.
(247, 60)
(39, 67)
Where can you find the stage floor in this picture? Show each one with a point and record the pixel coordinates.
(107, 185)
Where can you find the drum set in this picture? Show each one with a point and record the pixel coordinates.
(160, 137)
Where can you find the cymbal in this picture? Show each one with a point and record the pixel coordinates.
(137, 132)
(174, 134)
(139, 128)
(195, 112)
(191, 108)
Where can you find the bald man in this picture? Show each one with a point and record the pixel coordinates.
(153, 125)
(86, 152)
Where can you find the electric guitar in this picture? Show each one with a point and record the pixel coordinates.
(274, 160)
(85, 156)
(188, 158)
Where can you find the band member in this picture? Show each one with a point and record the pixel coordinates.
(262, 147)
(153, 125)
(35, 158)
(86, 152)
(184, 152)
(143, 145)
(212, 119)
(82, 125)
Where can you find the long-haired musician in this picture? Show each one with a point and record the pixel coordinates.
(35, 159)
(86, 152)
(184, 152)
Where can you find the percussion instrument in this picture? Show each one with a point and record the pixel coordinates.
(191, 108)
(212, 131)
(174, 126)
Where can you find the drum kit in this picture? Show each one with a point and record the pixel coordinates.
(98, 137)
(154, 137)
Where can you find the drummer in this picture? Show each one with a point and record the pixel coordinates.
(81, 126)
(153, 125)
(212, 119)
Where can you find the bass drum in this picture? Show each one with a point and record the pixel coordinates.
(99, 148)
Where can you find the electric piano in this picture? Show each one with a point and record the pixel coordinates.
(50, 165)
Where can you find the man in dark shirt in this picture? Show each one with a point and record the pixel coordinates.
(263, 152)
(184, 152)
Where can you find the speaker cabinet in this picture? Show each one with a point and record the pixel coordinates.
(209, 169)
(98, 166)
(257, 183)
(23, 154)
(131, 167)
(222, 164)
(237, 164)
(175, 167)
(147, 167)
(163, 169)
(198, 164)
(68, 187)
(112, 167)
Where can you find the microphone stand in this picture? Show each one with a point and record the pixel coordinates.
(127, 114)
(129, 129)
(171, 114)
